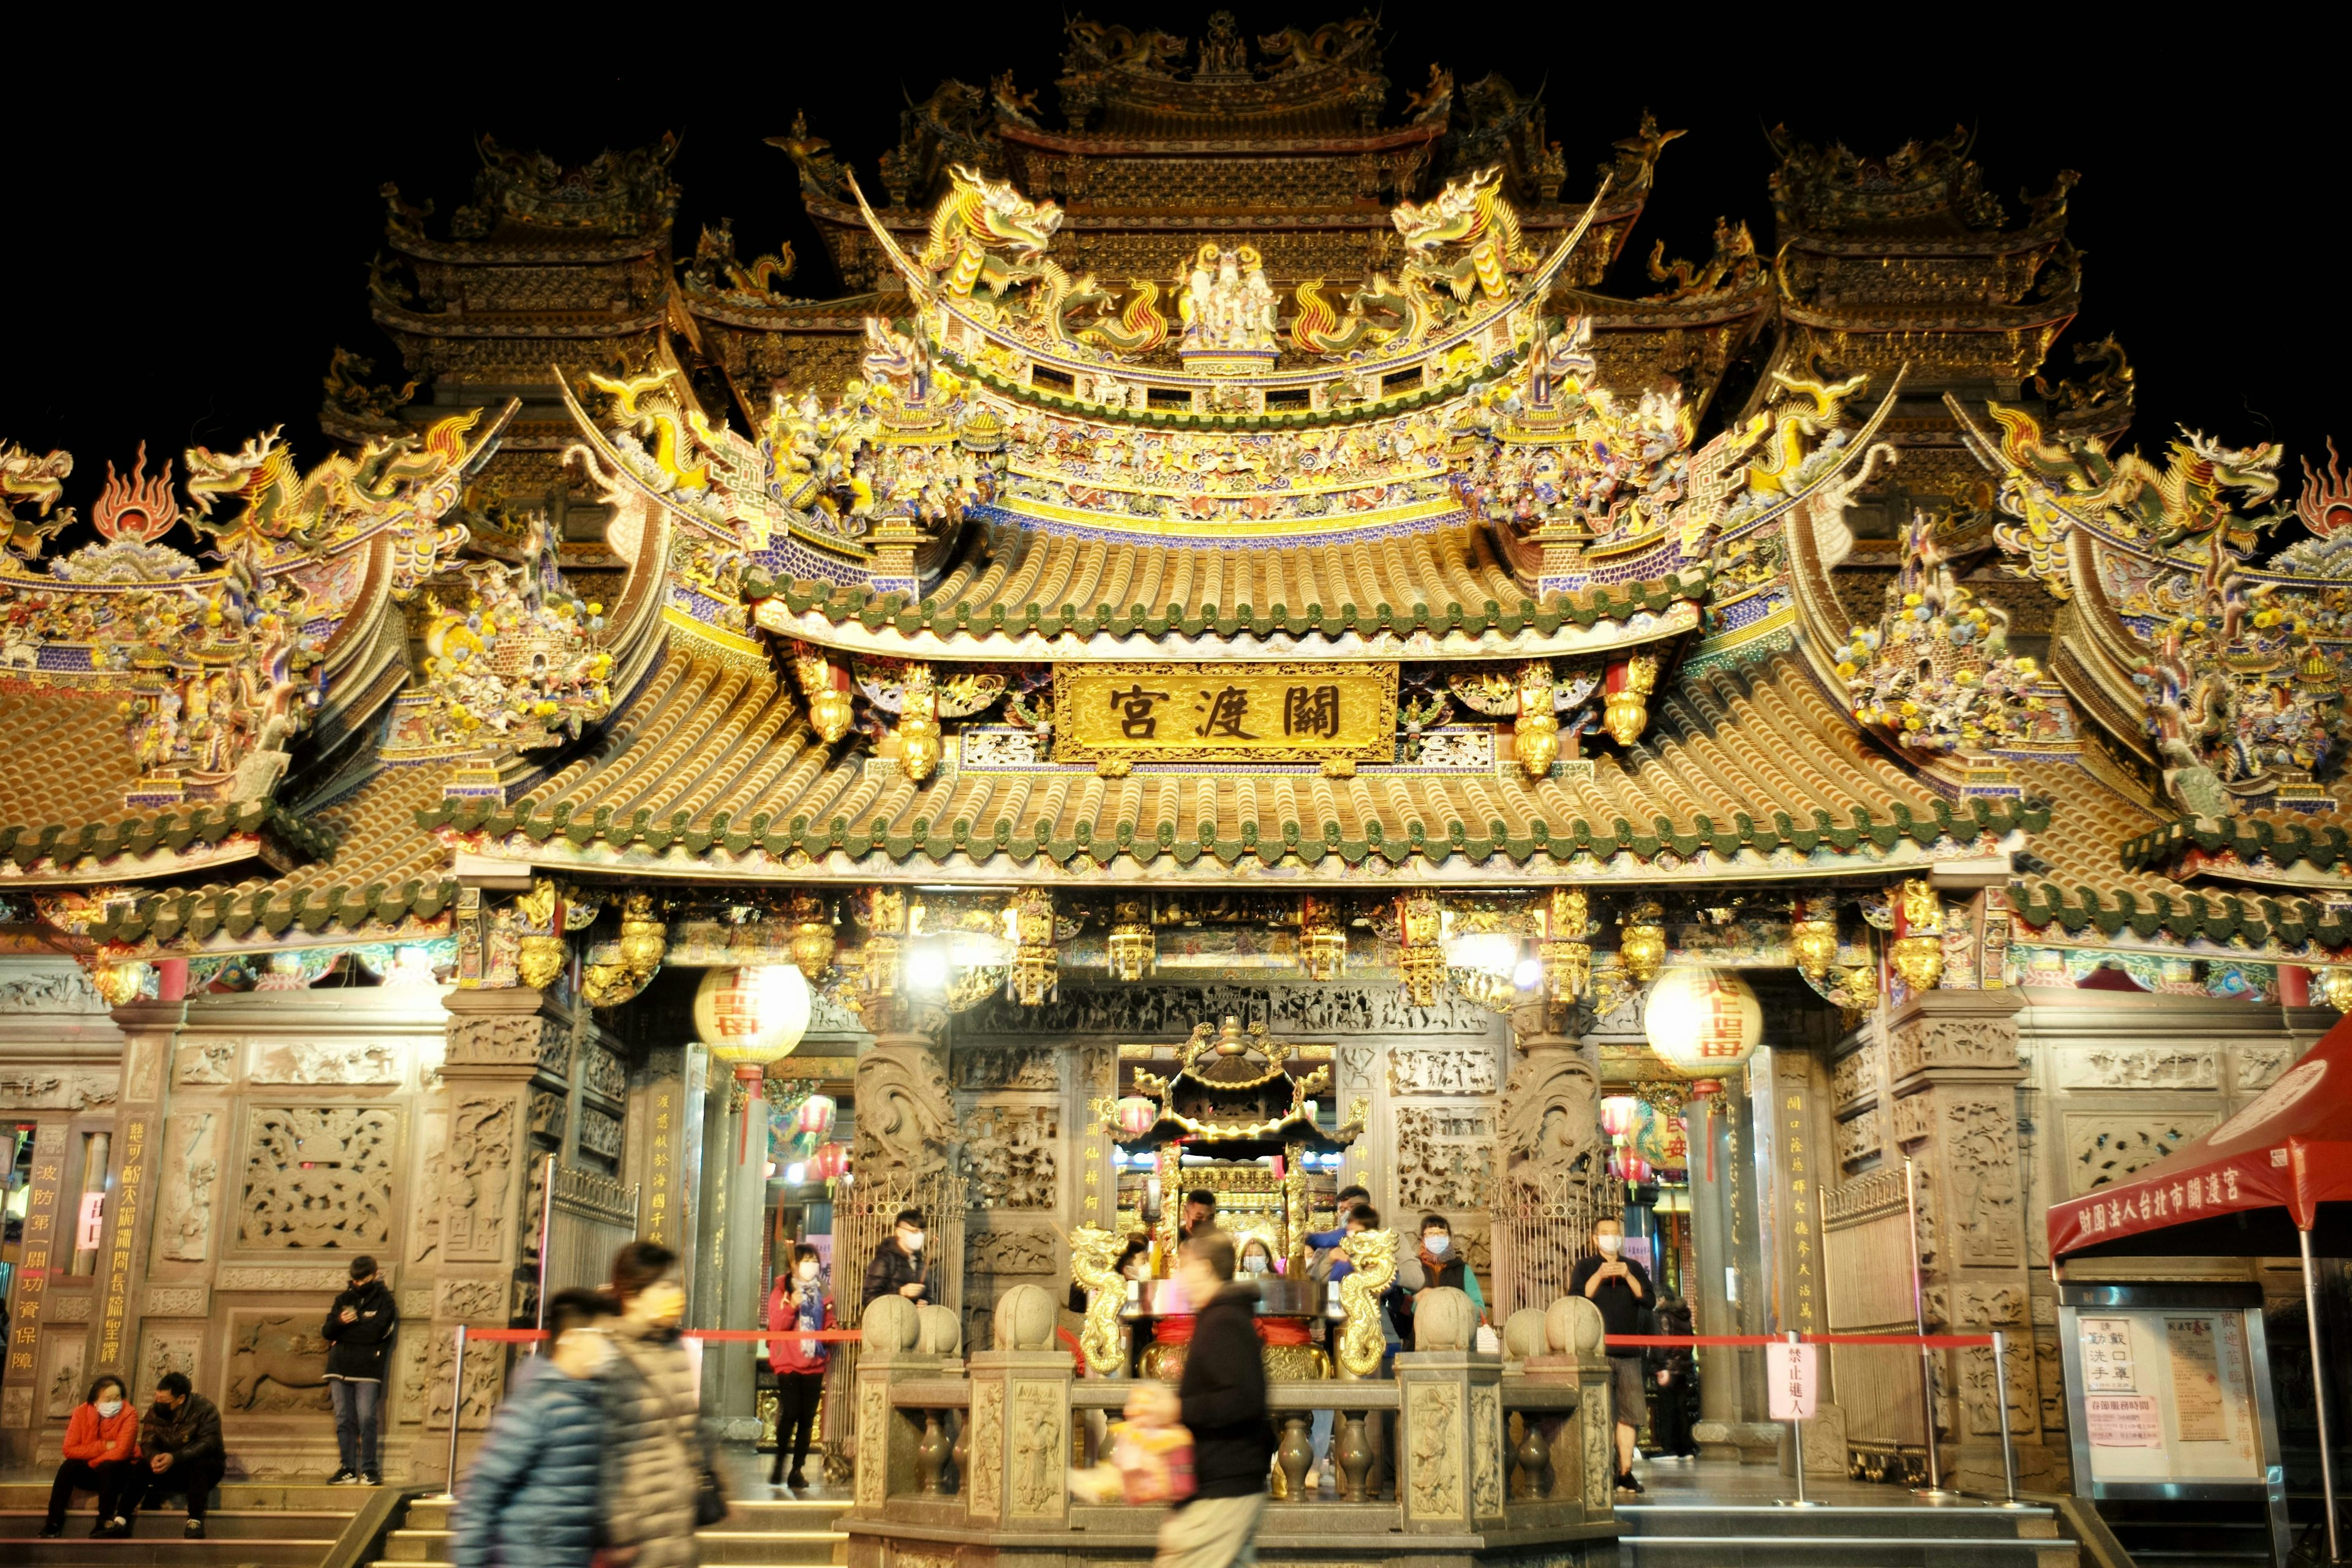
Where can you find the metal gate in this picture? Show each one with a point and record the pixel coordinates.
(583, 1220)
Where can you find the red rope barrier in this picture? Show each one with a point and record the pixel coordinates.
(526, 1336)
(1935, 1341)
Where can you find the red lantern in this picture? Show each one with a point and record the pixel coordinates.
(829, 1162)
(1136, 1114)
(815, 1118)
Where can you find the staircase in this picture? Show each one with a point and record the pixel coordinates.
(265, 1525)
(1697, 1534)
(758, 1533)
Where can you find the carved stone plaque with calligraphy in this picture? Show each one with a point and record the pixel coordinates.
(1197, 712)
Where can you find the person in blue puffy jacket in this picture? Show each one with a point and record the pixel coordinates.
(532, 1498)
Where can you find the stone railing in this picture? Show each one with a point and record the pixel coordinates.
(1456, 1446)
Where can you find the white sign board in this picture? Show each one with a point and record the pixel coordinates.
(2167, 1395)
(1790, 1378)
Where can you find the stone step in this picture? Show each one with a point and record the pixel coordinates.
(1796, 1547)
(220, 1523)
(16, 1496)
(735, 1540)
(75, 1550)
(1913, 1522)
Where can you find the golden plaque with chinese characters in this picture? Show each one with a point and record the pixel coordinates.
(1211, 712)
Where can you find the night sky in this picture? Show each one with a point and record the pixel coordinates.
(187, 242)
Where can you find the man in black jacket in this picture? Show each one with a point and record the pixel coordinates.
(359, 1326)
(179, 1444)
(1621, 1288)
(1221, 1399)
(897, 1269)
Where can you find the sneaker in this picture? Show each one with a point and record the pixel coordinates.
(343, 1478)
(371, 1479)
(52, 1530)
(119, 1527)
(193, 1530)
(1626, 1483)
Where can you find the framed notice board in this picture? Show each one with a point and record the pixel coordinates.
(2168, 1396)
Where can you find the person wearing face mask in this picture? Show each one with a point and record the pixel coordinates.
(358, 1328)
(1257, 1257)
(898, 1266)
(1221, 1399)
(180, 1439)
(101, 1453)
(801, 1300)
(659, 1470)
(531, 1499)
(1437, 1263)
(1621, 1288)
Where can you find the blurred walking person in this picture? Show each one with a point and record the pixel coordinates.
(1222, 1400)
(656, 1466)
(532, 1498)
(101, 1455)
(359, 1327)
(802, 1299)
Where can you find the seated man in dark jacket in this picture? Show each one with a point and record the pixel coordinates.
(1221, 1399)
(179, 1444)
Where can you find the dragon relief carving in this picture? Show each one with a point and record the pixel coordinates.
(1094, 1268)
(906, 1117)
(515, 665)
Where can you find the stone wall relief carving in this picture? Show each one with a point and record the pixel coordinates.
(1860, 1137)
(1444, 1157)
(277, 1364)
(1144, 1012)
(987, 1473)
(1486, 1452)
(600, 1133)
(191, 1170)
(1006, 1067)
(328, 1280)
(15, 1407)
(1854, 1078)
(1434, 1457)
(604, 1076)
(1980, 1393)
(326, 1063)
(61, 1382)
(1442, 1069)
(546, 1114)
(70, 1309)
(905, 1117)
(2140, 1067)
(509, 1040)
(1041, 1444)
(162, 1350)
(1922, 1044)
(41, 1089)
(471, 1301)
(1981, 1159)
(1009, 1252)
(424, 1235)
(480, 1396)
(2253, 1067)
(66, 990)
(174, 1301)
(142, 1070)
(478, 1178)
(1010, 1155)
(2103, 1146)
(1915, 1118)
(205, 1063)
(318, 1176)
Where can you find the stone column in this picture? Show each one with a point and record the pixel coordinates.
(150, 1032)
(508, 1070)
(1020, 1434)
(1954, 1071)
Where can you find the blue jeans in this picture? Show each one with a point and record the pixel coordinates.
(355, 1422)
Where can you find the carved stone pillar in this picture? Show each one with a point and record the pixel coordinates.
(1450, 1471)
(1020, 1440)
(150, 1032)
(508, 1071)
(1954, 1072)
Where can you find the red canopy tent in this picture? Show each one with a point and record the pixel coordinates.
(2274, 1179)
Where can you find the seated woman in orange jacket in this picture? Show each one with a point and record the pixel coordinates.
(101, 1454)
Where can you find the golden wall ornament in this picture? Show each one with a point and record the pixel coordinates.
(1134, 948)
(1322, 940)
(920, 745)
(1919, 960)
(1642, 942)
(1814, 936)
(118, 984)
(1625, 711)
(1567, 956)
(644, 939)
(826, 687)
(814, 940)
(1035, 965)
(540, 960)
(1094, 1268)
(1421, 958)
(1536, 730)
(2336, 988)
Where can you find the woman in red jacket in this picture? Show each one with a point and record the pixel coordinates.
(800, 1301)
(101, 1455)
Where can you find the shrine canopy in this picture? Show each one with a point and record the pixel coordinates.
(2283, 1163)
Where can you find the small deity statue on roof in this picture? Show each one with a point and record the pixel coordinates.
(1228, 305)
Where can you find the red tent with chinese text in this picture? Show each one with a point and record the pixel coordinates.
(2273, 1181)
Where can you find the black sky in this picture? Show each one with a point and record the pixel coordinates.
(185, 242)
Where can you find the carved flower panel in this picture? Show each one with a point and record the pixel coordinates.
(318, 1176)
(2104, 1146)
(2140, 1067)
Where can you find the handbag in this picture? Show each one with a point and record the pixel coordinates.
(710, 1499)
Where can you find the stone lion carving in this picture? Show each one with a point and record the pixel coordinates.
(904, 1115)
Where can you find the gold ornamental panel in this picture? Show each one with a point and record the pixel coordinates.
(1225, 713)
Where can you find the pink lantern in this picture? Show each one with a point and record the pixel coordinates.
(1136, 1114)
(815, 1118)
(830, 1161)
(1620, 1114)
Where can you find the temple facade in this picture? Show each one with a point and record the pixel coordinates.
(1767, 758)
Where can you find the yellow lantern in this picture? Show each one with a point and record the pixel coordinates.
(1703, 1023)
(1134, 948)
(1642, 942)
(749, 1017)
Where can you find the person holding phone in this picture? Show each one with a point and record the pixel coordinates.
(1621, 1288)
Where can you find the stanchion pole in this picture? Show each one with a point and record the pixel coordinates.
(1797, 1439)
(2319, 1394)
(1934, 1486)
(2000, 1399)
(457, 1399)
